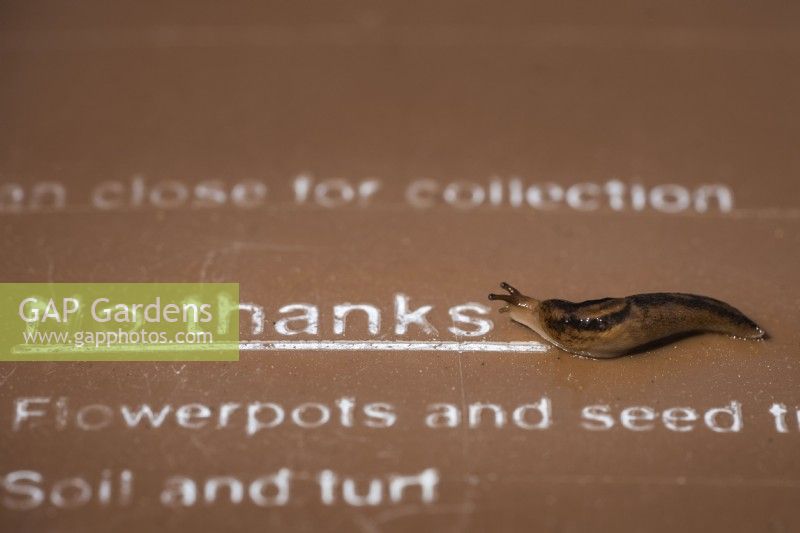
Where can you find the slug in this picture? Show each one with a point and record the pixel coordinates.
(611, 327)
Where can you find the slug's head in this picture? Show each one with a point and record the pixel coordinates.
(520, 308)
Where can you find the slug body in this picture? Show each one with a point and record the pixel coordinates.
(611, 327)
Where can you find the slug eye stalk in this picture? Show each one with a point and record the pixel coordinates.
(513, 297)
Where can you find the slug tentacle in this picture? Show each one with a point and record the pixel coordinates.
(610, 327)
(511, 297)
(514, 298)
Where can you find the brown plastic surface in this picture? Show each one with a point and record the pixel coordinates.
(450, 92)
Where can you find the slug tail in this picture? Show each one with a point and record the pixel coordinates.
(692, 312)
(754, 332)
(731, 321)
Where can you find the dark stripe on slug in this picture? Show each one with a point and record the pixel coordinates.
(589, 316)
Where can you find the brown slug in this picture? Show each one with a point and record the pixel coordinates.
(611, 327)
